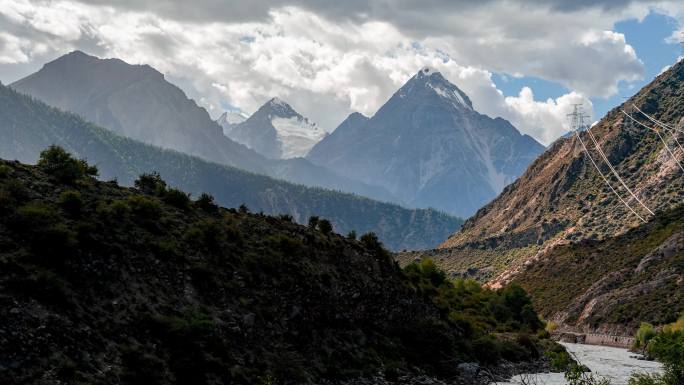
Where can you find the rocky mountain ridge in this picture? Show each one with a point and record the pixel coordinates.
(230, 119)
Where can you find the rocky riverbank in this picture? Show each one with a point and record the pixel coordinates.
(469, 374)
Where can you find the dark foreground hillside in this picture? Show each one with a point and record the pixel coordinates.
(111, 285)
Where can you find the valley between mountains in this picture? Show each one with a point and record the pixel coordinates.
(145, 241)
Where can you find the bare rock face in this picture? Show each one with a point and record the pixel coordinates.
(429, 147)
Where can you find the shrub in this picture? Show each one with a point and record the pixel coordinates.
(60, 165)
(187, 324)
(71, 201)
(675, 326)
(519, 304)
(286, 217)
(12, 192)
(578, 375)
(144, 208)
(206, 203)
(668, 348)
(644, 334)
(35, 216)
(211, 234)
(371, 241)
(288, 246)
(15, 190)
(243, 209)
(325, 226)
(177, 198)
(5, 171)
(313, 222)
(646, 379)
(42, 224)
(352, 235)
(151, 183)
(117, 209)
(139, 367)
(560, 359)
(551, 326)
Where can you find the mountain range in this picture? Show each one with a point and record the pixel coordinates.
(429, 147)
(137, 102)
(28, 126)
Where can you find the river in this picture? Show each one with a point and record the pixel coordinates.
(613, 363)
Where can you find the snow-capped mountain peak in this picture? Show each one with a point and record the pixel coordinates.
(232, 117)
(278, 131)
(279, 108)
(433, 81)
(229, 119)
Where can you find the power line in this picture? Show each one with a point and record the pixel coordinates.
(577, 123)
(606, 180)
(605, 159)
(667, 147)
(664, 125)
(672, 130)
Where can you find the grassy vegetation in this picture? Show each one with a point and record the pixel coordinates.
(667, 346)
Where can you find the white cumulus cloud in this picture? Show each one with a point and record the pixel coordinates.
(344, 57)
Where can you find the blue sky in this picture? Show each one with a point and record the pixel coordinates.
(648, 37)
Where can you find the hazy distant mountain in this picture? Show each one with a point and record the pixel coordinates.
(28, 126)
(229, 119)
(137, 102)
(277, 131)
(430, 148)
